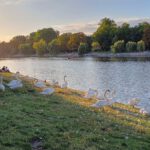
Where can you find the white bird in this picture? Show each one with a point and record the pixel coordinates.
(48, 91)
(39, 84)
(143, 111)
(134, 102)
(14, 84)
(2, 87)
(106, 100)
(65, 84)
(91, 93)
(55, 83)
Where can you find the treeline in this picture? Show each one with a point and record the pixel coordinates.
(108, 37)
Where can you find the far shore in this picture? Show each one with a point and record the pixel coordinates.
(145, 54)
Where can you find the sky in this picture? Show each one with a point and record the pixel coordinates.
(21, 17)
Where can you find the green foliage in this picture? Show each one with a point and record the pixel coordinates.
(47, 34)
(40, 47)
(118, 47)
(26, 49)
(83, 48)
(96, 46)
(140, 46)
(75, 40)
(131, 46)
(105, 33)
(54, 47)
(146, 37)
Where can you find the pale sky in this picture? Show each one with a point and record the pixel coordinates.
(19, 17)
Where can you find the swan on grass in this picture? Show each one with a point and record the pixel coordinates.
(105, 100)
(65, 84)
(134, 102)
(2, 87)
(91, 93)
(39, 84)
(14, 84)
(55, 83)
(48, 91)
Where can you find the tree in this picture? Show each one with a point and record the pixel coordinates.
(47, 34)
(54, 47)
(118, 46)
(40, 47)
(95, 46)
(26, 49)
(140, 46)
(131, 46)
(75, 40)
(82, 49)
(105, 33)
(146, 37)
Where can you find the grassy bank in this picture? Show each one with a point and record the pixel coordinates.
(65, 121)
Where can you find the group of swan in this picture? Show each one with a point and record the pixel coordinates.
(48, 90)
(14, 84)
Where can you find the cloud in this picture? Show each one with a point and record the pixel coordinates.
(89, 28)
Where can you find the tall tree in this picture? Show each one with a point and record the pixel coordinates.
(146, 37)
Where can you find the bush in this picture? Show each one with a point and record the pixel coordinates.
(118, 46)
(96, 46)
(26, 49)
(54, 47)
(131, 46)
(83, 48)
(40, 47)
(140, 46)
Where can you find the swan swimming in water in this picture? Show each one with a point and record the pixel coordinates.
(106, 100)
(39, 84)
(65, 84)
(2, 87)
(91, 93)
(14, 84)
(48, 91)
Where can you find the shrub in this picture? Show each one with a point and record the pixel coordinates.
(26, 49)
(95, 46)
(54, 47)
(131, 46)
(83, 47)
(118, 46)
(140, 46)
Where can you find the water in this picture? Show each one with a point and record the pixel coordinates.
(129, 78)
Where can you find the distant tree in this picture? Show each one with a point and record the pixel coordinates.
(105, 33)
(82, 49)
(54, 47)
(118, 46)
(40, 47)
(47, 34)
(26, 49)
(75, 40)
(96, 46)
(63, 40)
(131, 46)
(146, 37)
(140, 46)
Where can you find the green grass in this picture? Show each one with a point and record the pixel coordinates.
(65, 121)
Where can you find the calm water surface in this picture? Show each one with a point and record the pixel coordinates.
(130, 79)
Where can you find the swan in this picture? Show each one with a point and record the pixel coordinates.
(39, 84)
(134, 102)
(105, 100)
(65, 84)
(47, 91)
(91, 93)
(55, 83)
(14, 84)
(143, 111)
(2, 87)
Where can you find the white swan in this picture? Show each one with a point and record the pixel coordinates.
(134, 102)
(2, 87)
(48, 91)
(39, 84)
(143, 111)
(65, 84)
(14, 84)
(91, 93)
(106, 100)
(55, 83)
